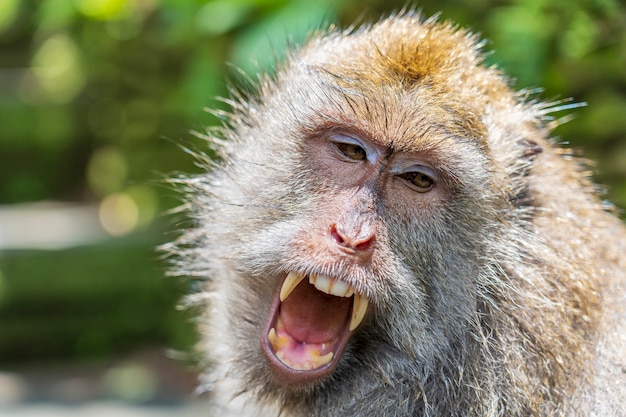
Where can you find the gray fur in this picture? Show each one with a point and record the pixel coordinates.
(509, 301)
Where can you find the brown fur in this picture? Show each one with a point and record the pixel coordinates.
(503, 297)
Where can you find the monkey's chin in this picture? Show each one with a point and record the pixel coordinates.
(308, 327)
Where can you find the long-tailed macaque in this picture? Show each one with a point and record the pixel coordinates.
(390, 231)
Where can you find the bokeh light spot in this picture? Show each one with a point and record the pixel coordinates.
(119, 214)
(106, 171)
(131, 382)
(103, 9)
(8, 11)
(220, 16)
(145, 197)
(57, 69)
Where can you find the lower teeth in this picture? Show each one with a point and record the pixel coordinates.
(312, 357)
(314, 361)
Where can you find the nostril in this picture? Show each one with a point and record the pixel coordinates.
(358, 244)
(336, 235)
(364, 244)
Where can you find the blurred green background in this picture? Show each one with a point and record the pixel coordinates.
(97, 102)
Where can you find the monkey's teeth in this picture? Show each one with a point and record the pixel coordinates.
(331, 286)
(359, 308)
(291, 282)
(317, 360)
(277, 342)
(314, 361)
(311, 358)
(326, 285)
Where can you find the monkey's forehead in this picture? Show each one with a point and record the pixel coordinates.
(399, 81)
(399, 69)
(408, 53)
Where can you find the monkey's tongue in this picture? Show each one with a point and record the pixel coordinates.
(310, 328)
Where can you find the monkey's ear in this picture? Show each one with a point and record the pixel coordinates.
(530, 148)
(528, 152)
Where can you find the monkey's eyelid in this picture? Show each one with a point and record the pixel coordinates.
(400, 170)
(337, 137)
(371, 153)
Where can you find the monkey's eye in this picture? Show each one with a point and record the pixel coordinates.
(419, 180)
(351, 150)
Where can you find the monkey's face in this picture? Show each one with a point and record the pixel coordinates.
(368, 260)
(321, 303)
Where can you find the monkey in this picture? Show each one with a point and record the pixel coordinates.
(391, 230)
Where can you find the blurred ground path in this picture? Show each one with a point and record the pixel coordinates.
(67, 286)
(146, 383)
(106, 409)
(49, 225)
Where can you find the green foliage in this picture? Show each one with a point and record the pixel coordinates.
(98, 96)
(86, 77)
(88, 301)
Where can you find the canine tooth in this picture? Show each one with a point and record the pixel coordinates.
(277, 342)
(359, 308)
(318, 360)
(291, 282)
(271, 337)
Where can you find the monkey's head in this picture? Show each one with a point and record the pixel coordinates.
(346, 236)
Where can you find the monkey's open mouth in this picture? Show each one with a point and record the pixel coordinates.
(309, 324)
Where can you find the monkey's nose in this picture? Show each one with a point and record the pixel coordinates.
(358, 241)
